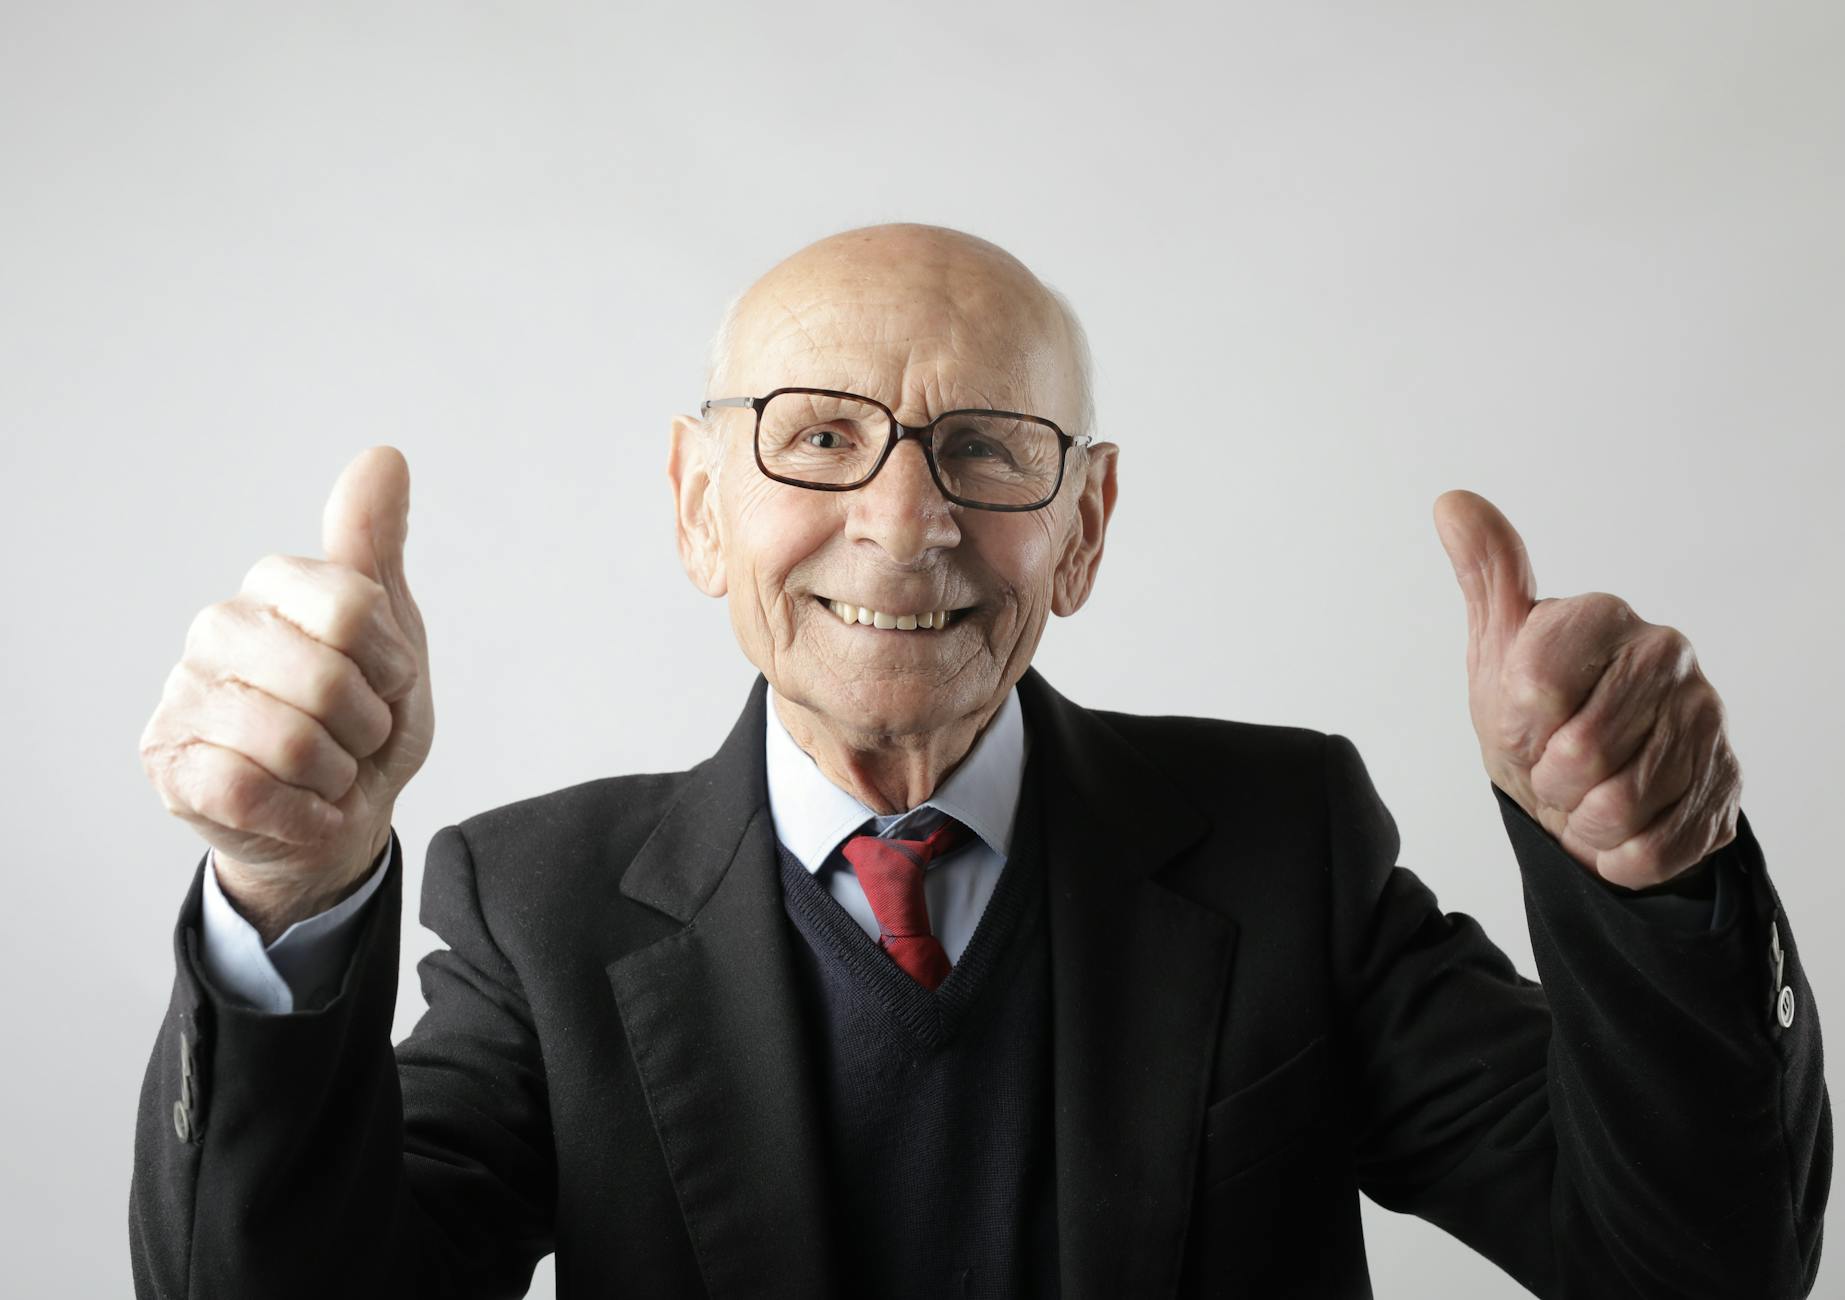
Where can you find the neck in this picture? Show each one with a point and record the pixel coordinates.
(886, 773)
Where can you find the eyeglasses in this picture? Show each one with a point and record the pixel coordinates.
(833, 442)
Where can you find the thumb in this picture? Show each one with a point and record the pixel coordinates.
(367, 519)
(1490, 563)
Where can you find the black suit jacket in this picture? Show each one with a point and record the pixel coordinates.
(1256, 1016)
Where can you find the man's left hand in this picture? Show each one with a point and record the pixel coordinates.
(1597, 723)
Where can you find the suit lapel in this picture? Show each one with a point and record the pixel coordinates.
(713, 1019)
(1139, 975)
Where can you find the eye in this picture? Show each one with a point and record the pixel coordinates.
(813, 434)
(983, 449)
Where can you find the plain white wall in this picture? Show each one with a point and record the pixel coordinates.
(1582, 258)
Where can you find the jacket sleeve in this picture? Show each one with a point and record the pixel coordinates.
(1640, 1123)
(299, 1154)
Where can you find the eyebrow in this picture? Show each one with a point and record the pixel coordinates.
(836, 384)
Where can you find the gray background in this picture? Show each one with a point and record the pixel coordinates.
(1335, 259)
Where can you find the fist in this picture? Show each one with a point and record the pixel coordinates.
(301, 707)
(1598, 724)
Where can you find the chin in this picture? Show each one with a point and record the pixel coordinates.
(890, 705)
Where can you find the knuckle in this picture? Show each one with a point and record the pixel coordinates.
(281, 616)
(326, 684)
(1601, 812)
(1655, 658)
(158, 759)
(272, 620)
(354, 609)
(376, 725)
(242, 799)
(297, 749)
(182, 680)
(208, 626)
(163, 740)
(171, 801)
(1707, 713)
(1674, 650)
(412, 673)
(1611, 608)
(1626, 855)
(155, 752)
(1568, 748)
(1643, 862)
(164, 709)
(1684, 847)
(1532, 690)
(1517, 742)
(1565, 770)
(345, 772)
(186, 785)
(146, 745)
(267, 570)
(1732, 773)
(232, 695)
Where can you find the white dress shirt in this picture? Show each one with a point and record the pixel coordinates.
(812, 817)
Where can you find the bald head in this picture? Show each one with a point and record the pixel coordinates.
(858, 298)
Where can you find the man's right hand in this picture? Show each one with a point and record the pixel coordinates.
(301, 707)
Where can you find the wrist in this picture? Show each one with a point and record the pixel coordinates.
(273, 901)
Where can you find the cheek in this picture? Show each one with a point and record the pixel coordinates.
(770, 535)
(1023, 552)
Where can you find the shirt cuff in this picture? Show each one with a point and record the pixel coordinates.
(302, 968)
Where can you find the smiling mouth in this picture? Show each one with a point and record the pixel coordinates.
(928, 620)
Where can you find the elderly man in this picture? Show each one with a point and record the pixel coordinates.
(929, 981)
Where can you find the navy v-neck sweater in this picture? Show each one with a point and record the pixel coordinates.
(935, 1105)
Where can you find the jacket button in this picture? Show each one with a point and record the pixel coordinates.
(182, 1109)
(1784, 1007)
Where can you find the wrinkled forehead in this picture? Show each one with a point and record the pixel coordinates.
(920, 339)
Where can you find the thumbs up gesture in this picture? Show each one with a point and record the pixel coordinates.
(301, 707)
(1598, 724)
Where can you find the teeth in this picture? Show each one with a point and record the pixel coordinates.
(850, 613)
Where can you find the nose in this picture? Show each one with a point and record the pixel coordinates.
(901, 509)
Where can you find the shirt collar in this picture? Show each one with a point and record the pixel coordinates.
(812, 815)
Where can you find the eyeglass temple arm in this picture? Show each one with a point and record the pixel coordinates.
(746, 403)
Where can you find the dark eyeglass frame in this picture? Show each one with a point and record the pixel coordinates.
(898, 432)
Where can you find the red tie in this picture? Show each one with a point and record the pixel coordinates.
(891, 872)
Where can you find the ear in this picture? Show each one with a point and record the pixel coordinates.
(695, 506)
(1082, 554)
